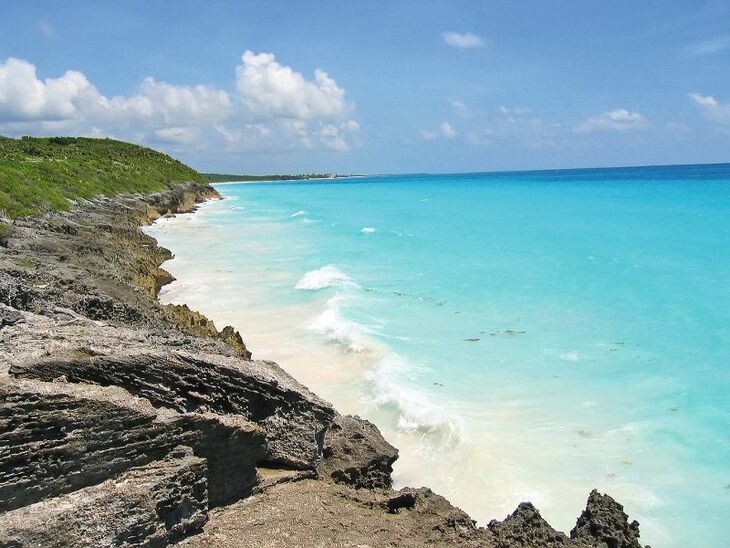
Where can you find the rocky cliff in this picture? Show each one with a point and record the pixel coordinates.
(124, 422)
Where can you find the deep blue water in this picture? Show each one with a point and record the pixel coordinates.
(518, 336)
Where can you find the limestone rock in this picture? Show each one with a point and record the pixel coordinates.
(356, 454)
(525, 528)
(58, 438)
(605, 524)
(152, 506)
(232, 448)
(293, 419)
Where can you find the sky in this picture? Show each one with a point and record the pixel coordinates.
(373, 86)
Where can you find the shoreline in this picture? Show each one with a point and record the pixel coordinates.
(107, 312)
(225, 183)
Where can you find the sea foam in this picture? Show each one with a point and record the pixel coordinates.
(415, 410)
(327, 276)
(336, 328)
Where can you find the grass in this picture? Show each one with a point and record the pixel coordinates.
(4, 230)
(43, 174)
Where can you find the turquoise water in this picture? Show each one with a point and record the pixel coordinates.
(519, 336)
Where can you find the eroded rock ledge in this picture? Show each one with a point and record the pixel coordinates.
(124, 422)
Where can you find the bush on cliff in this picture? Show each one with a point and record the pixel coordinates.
(43, 174)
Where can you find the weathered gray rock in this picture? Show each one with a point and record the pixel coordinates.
(293, 418)
(56, 438)
(356, 454)
(151, 506)
(59, 437)
(605, 524)
(232, 447)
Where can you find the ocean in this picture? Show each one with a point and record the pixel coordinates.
(518, 336)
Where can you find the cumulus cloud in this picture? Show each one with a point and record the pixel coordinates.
(711, 108)
(273, 90)
(619, 119)
(271, 103)
(23, 97)
(463, 40)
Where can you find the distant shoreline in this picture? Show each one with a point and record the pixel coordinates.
(303, 180)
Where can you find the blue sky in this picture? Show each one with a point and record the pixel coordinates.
(375, 87)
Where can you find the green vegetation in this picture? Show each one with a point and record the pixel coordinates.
(43, 174)
(25, 262)
(226, 178)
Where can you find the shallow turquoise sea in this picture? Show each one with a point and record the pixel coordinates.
(519, 336)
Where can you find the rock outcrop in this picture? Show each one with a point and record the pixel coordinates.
(604, 523)
(356, 454)
(153, 505)
(525, 527)
(124, 422)
(293, 419)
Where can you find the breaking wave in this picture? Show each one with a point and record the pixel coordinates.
(327, 276)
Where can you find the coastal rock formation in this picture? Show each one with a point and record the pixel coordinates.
(525, 527)
(293, 419)
(604, 522)
(124, 422)
(356, 454)
(153, 505)
(59, 438)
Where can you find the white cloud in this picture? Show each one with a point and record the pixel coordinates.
(514, 110)
(272, 106)
(179, 135)
(460, 108)
(272, 90)
(619, 119)
(444, 130)
(331, 137)
(711, 108)
(462, 40)
(23, 97)
(447, 131)
(710, 46)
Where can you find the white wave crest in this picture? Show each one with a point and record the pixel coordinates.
(327, 276)
(416, 411)
(368, 229)
(298, 213)
(338, 329)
